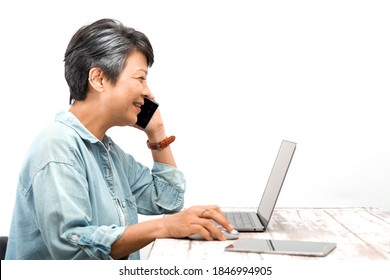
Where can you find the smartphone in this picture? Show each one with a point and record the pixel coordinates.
(147, 112)
(286, 247)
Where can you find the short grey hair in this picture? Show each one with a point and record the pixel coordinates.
(105, 44)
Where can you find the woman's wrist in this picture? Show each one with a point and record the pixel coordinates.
(162, 229)
(156, 135)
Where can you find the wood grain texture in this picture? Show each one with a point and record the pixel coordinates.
(360, 233)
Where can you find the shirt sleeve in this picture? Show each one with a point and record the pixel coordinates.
(64, 214)
(159, 191)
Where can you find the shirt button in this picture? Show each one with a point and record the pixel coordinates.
(74, 237)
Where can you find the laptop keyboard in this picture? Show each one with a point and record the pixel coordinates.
(240, 219)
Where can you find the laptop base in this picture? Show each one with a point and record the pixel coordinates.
(245, 221)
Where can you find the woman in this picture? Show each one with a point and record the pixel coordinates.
(78, 193)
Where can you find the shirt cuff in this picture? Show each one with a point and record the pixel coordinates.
(170, 174)
(95, 241)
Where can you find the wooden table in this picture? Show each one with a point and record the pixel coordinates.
(360, 233)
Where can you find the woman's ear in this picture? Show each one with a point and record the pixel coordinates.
(95, 78)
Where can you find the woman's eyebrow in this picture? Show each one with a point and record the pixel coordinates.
(143, 70)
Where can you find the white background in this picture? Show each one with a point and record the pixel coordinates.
(233, 79)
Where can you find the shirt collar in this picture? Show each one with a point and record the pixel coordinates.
(70, 120)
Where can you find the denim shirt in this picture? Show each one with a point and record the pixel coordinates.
(76, 195)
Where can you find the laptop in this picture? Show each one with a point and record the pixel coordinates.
(258, 221)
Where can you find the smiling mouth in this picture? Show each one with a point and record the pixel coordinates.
(137, 104)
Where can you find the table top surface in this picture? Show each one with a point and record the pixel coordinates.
(360, 233)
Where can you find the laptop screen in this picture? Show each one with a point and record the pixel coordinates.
(275, 181)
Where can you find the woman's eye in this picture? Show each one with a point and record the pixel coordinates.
(141, 79)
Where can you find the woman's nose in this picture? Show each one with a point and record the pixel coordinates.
(146, 92)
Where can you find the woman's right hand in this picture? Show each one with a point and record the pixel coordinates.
(197, 219)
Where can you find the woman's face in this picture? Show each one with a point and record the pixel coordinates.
(124, 99)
